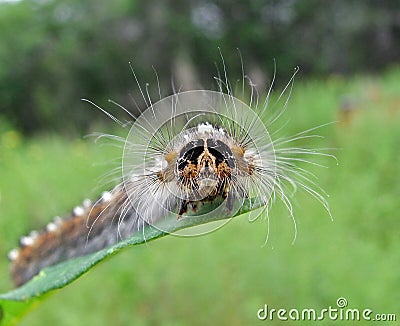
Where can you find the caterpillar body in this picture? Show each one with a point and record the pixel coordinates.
(185, 150)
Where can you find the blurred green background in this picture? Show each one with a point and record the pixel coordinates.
(53, 53)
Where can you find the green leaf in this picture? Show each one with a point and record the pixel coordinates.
(16, 303)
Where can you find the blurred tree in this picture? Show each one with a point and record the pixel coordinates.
(54, 52)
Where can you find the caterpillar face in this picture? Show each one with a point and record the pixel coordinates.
(204, 167)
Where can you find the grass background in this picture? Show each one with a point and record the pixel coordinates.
(226, 276)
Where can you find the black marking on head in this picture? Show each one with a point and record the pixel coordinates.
(190, 153)
(217, 148)
(221, 152)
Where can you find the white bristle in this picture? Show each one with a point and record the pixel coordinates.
(249, 154)
(27, 241)
(50, 227)
(13, 254)
(78, 211)
(57, 220)
(34, 234)
(86, 203)
(205, 128)
(106, 196)
(159, 164)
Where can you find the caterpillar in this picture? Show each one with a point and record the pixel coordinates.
(183, 151)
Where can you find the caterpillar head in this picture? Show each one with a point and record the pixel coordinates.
(193, 148)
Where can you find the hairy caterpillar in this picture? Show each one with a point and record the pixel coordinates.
(183, 151)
